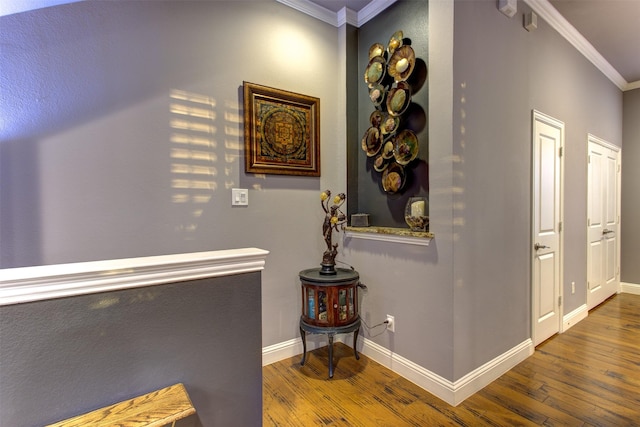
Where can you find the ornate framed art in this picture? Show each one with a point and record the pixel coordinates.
(281, 131)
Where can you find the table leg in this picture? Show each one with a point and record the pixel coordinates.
(303, 335)
(330, 355)
(355, 339)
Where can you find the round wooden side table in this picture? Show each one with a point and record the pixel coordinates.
(329, 306)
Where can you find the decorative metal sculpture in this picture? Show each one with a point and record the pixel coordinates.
(391, 146)
(334, 221)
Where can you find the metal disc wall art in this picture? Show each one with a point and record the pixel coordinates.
(391, 145)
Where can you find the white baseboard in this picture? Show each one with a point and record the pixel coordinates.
(451, 392)
(433, 383)
(457, 391)
(574, 317)
(630, 288)
(284, 350)
(484, 375)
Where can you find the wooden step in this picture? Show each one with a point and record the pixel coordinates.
(155, 409)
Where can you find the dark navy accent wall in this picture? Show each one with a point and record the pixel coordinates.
(412, 18)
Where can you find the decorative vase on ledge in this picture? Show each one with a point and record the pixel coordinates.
(416, 213)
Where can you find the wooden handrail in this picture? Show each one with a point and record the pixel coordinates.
(155, 409)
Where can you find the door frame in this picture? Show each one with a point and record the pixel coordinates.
(551, 121)
(591, 138)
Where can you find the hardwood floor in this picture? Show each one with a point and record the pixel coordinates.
(588, 376)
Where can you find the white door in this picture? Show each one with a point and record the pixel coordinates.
(603, 221)
(548, 141)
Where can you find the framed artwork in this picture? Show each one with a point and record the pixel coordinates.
(281, 131)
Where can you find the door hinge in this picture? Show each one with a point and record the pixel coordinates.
(560, 226)
(560, 301)
(589, 158)
(560, 151)
(588, 222)
(619, 168)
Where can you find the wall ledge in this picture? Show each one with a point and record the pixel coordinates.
(27, 284)
(389, 234)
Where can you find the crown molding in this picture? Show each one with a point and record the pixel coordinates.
(372, 10)
(347, 16)
(343, 16)
(632, 85)
(559, 23)
(312, 9)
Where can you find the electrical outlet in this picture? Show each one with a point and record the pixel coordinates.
(391, 324)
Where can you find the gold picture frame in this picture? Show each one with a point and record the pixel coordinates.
(281, 131)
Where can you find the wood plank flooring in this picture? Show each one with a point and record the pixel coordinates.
(588, 376)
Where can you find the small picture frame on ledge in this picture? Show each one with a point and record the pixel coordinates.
(281, 131)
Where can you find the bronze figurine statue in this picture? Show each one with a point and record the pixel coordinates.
(334, 220)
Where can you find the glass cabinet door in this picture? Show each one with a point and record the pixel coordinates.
(311, 304)
(351, 303)
(342, 304)
(322, 306)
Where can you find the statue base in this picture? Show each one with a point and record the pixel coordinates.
(327, 269)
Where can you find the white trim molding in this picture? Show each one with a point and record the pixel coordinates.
(312, 9)
(293, 347)
(371, 10)
(343, 16)
(452, 392)
(27, 284)
(570, 319)
(559, 23)
(630, 288)
(280, 351)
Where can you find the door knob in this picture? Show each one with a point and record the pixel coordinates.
(538, 246)
(607, 231)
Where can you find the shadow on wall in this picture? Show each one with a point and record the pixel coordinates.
(19, 204)
(194, 161)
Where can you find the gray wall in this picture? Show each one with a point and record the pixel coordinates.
(68, 356)
(501, 73)
(630, 251)
(466, 298)
(91, 177)
(88, 147)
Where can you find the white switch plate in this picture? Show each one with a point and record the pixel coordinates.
(239, 197)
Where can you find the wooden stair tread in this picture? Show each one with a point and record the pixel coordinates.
(155, 409)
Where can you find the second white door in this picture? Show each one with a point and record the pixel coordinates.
(603, 221)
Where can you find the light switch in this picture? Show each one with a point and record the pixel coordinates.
(239, 197)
